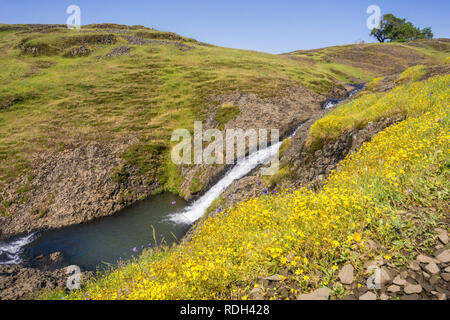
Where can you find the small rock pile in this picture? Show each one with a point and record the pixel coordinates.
(134, 40)
(81, 51)
(424, 278)
(119, 51)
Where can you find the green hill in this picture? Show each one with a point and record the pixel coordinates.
(86, 118)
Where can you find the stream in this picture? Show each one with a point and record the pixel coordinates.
(105, 241)
(163, 218)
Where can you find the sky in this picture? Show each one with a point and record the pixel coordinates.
(274, 26)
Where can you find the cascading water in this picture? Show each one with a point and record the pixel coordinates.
(111, 238)
(334, 102)
(243, 167)
(10, 251)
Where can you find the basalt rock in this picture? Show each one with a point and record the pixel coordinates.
(21, 283)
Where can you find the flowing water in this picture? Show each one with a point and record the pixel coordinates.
(334, 102)
(103, 241)
(164, 218)
(107, 240)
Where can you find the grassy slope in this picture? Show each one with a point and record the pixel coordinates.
(394, 191)
(49, 102)
(380, 59)
(401, 102)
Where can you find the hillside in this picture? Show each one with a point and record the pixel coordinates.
(86, 119)
(383, 205)
(86, 116)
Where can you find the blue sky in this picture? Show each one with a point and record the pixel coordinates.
(274, 26)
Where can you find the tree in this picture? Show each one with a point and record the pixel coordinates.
(395, 29)
(427, 33)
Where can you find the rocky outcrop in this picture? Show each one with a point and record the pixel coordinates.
(20, 283)
(78, 51)
(284, 113)
(71, 187)
(302, 167)
(314, 168)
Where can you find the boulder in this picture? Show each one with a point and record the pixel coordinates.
(346, 274)
(319, 294)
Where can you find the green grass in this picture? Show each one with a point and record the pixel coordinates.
(48, 101)
(393, 191)
(196, 186)
(408, 100)
(413, 73)
(226, 113)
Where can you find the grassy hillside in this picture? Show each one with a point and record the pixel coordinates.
(109, 83)
(394, 191)
(373, 58)
(401, 102)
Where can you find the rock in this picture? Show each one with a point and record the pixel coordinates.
(427, 287)
(368, 296)
(447, 270)
(385, 276)
(432, 268)
(346, 274)
(394, 289)
(441, 296)
(433, 280)
(256, 294)
(442, 290)
(119, 51)
(56, 257)
(445, 276)
(26, 283)
(443, 256)
(414, 265)
(275, 278)
(426, 275)
(442, 235)
(425, 259)
(411, 288)
(80, 51)
(372, 245)
(78, 182)
(384, 297)
(283, 293)
(319, 294)
(373, 263)
(410, 297)
(48, 263)
(399, 281)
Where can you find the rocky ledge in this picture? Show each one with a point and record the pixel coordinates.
(25, 283)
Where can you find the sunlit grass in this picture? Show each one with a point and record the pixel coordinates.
(393, 190)
(49, 101)
(413, 99)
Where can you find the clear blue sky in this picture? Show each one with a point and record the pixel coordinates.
(274, 26)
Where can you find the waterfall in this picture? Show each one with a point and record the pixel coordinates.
(243, 167)
(10, 251)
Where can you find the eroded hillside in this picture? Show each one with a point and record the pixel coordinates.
(86, 116)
